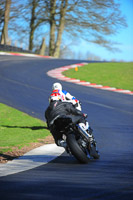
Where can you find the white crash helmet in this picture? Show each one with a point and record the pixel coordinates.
(57, 86)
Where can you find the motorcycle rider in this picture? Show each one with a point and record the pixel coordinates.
(65, 96)
(56, 108)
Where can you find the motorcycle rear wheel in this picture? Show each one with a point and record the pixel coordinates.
(75, 149)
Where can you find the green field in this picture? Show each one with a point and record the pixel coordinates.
(18, 129)
(118, 75)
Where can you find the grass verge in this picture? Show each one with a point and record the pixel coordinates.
(118, 75)
(18, 129)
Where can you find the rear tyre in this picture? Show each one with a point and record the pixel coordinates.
(75, 149)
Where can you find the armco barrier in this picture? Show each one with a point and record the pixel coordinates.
(9, 48)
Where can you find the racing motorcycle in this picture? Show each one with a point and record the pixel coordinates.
(79, 143)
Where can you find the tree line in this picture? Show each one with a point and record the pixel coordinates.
(60, 22)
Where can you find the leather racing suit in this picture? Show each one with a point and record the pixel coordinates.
(58, 108)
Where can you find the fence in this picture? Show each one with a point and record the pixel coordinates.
(12, 49)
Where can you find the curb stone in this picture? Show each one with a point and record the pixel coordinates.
(57, 73)
(24, 54)
(34, 158)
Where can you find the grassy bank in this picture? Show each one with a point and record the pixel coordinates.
(18, 129)
(119, 75)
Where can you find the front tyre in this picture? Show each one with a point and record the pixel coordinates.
(94, 153)
(75, 149)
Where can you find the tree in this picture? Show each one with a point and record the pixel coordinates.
(93, 19)
(37, 18)
(57, 23)
(43, 11)
(24, 19)
(93, 57)
(42, 47)
(32, 24)
(1, 13)
(38, 15)
(4, 36)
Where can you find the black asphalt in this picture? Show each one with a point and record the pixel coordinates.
(25, 86)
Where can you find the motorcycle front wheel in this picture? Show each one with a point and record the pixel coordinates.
(76, 150)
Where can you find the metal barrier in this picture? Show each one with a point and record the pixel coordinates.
(13, 49)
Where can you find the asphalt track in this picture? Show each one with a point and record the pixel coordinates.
(25, 86)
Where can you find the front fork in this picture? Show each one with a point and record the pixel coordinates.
(88, 140)
(88, 137)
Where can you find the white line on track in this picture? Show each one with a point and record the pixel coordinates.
(99, 104)
(4, 59)
(109, 107)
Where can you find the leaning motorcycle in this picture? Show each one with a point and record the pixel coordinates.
(79, 143)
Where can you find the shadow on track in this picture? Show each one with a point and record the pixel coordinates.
(26, 127)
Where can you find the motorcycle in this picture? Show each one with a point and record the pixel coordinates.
(79, 143)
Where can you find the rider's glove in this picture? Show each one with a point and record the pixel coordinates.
(74, 101)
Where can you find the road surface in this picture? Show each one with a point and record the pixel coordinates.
(24, 85)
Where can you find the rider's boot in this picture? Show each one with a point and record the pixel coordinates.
(62, 143)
